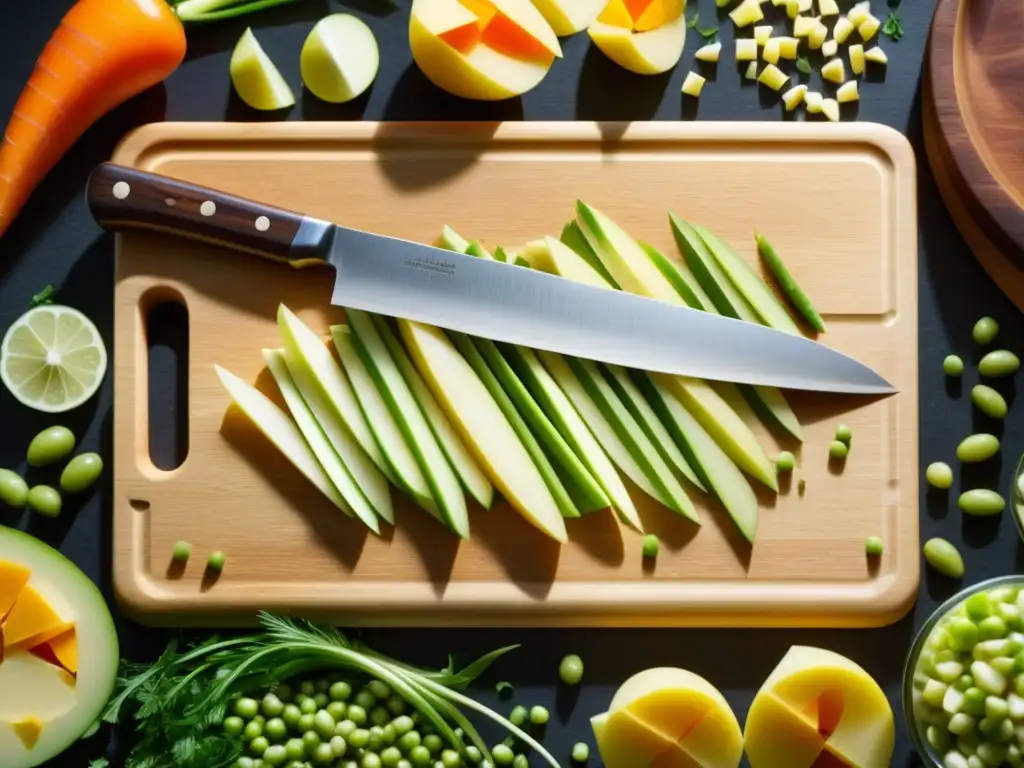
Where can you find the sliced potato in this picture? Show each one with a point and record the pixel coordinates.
(828, 7)
(848, 92)
(788, 47)
(751, 73)
(858, 14)
(834, 71)
(792, 8)
(693, 84)
(813, 100)
(773, 77)
(842, 29)
(805, 5)
(829, 48)
(709, 52)
(746, 13)
(770, 52)
(794, 97)
(869, 27)
(856, 52)
(746, 49)
(831, 109)
(803, 25)
(816, 37)
(762, 32)
(876, 55)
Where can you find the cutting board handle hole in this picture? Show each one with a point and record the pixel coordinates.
(167, 363)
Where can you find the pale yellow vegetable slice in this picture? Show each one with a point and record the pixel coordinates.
(804, 5)
(762, 32)
(792, 8)
(828, 7)
(804, 25)
(693, 84)
(794, 97)
(770, 52)
(746, 49)
(255, 78)
(788, 47)
(876, 55)
(829, 48)
(813, 100)
(773, 77)
(856, 52)
(746, 13)
(848, 92)
(834, 71)
(842, 29)
(340, 58)
(816, 37)
(751, 73)
(858, 14)
(709, 52)
(831, 109)
(869, 27)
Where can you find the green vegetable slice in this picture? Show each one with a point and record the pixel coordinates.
(794, 293)
(573, 237)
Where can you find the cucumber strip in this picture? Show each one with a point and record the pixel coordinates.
(473, 478)
(715, 468)
(477, 250)
(645, 416)
(450, 240)
(440, 476)
(573, 428)
(573, 237)
(800, 301)
(682, 279)
(467, 348)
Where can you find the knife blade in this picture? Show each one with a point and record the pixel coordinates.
(490, 299)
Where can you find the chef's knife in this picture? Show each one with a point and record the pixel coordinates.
(478, 296)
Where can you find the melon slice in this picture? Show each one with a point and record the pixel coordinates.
(13, 578)
(29, 619)
(648, 52)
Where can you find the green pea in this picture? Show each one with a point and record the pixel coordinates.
(981, 502)
(340, 691)
(580, 752)
(985, 330)
(357, 714)
(344, 728)
(275, 755)
(953, 365)
(366, 699)
(538, 715)
(785, 461)
(307, 706)
(518, 716)
(395, 705)
(359, 738)
(988, 401)
(521, 761)
(45, 501)
(939, 475)
(258, 746)
(215, 562)
(502, 754)
(338, 746)
(390, 757)
(311, 740)
(50, 445)
(570, 671)
(433, 743)
(1001, 362)
(324, 723)
(295, 749)
(946, 559)
(306, 688)
(844, 434)
(419, 756)
(247, 708)
(651, 544)
(992, 628)
(402, 724)
(272, 705)
(284, 692)
(13, 489)
(389, 735)
(306, 723)
(873, 546)
(408, 741)
(244, 762)
(81, 472)
(323, 754)
(337, 710)
(450, 759)
(473, 754)
(379, 689)
(322, 685)
(978, 606)
(974, 702)
(234, 725)
(275, 729)
(837, 450)
(975, 448)
(380, 716)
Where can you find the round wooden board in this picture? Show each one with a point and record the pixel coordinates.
(974, 129)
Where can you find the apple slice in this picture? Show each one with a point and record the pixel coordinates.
(645, 53)
(482, 425)
(472, 477)
(281, 431)
(332, 464)
(255, 78)
(567, 17)
(383, 424)
(441, 479)
(340, 58)
(329, 394)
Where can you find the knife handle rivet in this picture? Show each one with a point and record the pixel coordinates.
(170, 202)
(121, 190)
(262, 224)
(208, 208)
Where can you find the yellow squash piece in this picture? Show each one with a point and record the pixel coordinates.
(31, 618)
(876, 55)
(834, 71)
(794, 97)
(710, 52)
(13, 578)
(28, 731)
(746, 13)
(842, 29)
(848, 91)
(788, 47)
(819, 706)
(856, 52)
(773, 77)
(762, 33)
(770, 52)
(746, 49)
(693, 84)
(645, 53)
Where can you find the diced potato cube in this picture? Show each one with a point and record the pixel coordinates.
(816, 37)
(792, 8)
(848, 92)
(869, 27)
(794, 97)
(788, 47)
(829, 48)
(746, 49)
(813, 100)
(693, 84)
(877, 55)
(828, 7)
(834, 71)
(831, 109)
(857, 15)
(709, 52)
(856, 58)
(863, 5)
(804, 6)
(751, 73)
(770, 52)
(802, 25)
(842, 29)
(762, 33)
(746, 13)
(773, 77)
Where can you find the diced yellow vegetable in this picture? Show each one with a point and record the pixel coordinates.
(762, 32)
(842, 29)
(804, 6)
(857, 14)
(746, 49)
(694, 83)
(779, 3)
(792, 8)
(869, 27)
(794, 97)
(746, 13)
(856, 58)
(828, 7)
(829, 48)
(877, 55)
(813, 100)
(816, 37)
(751, 73)
(848, 92)
(709, 52)
(802, 25)
(788, 47)
(834, 71)
(773, 77)
(770, 52)
(831, 109)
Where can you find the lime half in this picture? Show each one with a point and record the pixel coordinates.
(258, 82)
(52, 359)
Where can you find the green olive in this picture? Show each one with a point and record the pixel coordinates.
(837, 450)
(50, 445)
(989, 401)
(975, 448)
(985, 330)
(953, 365)
(13, 489)
(1001, 362)
(45, 500)
(946, 559)
(81, 472)
(981, 502)
(939, 475)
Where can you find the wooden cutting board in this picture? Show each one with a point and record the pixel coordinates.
(838, 202)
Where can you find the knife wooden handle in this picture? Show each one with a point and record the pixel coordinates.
(126, 198)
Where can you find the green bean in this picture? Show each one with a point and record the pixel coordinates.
(215, 562)
(13, 489)
(790, 288)
(785, 461)
(651, 544)
(247, 708)
(502, 754)
(272, 705)
(981, 502)
(570, 671)
(837, 450)
(258, 746)
(844, 434)
(50, 445)
(975, 448)
(1001, 362)
(81, 472)
(985, 330)
(518, 716)
(873, 546)
(580, 752)
(182, 551)
(988, 401)
(340, 691)
(45, 501)
(939, 475)
(538, 715)
(946, 559)
(953, 365)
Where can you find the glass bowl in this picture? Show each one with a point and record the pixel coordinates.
(1017, 496)
(911, 693)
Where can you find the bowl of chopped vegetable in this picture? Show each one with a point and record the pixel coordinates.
(1017, 496)
(963, 683)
